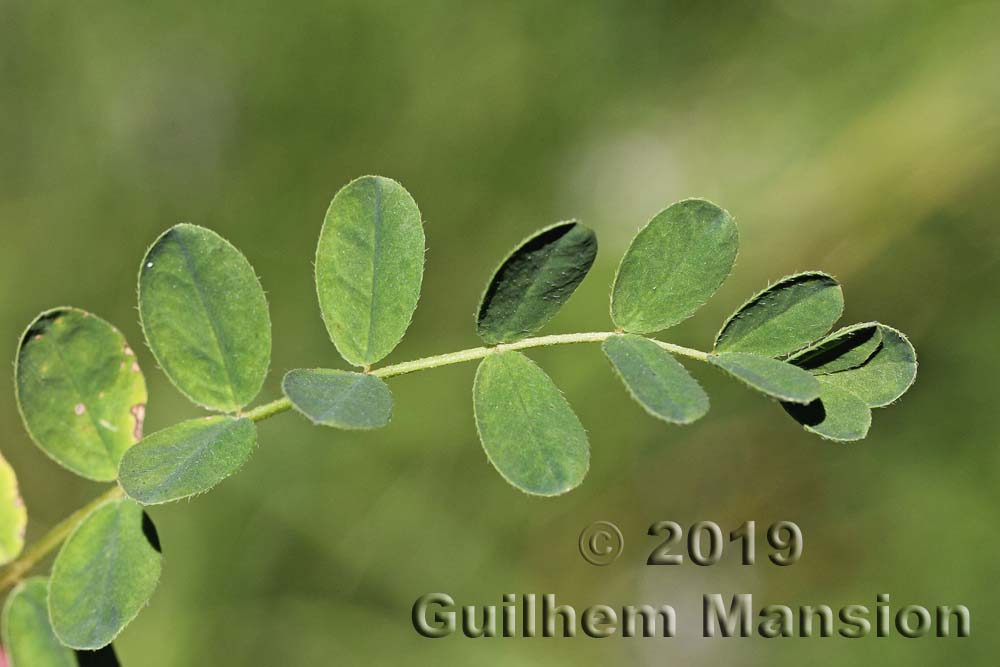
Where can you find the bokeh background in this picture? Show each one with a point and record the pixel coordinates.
(860, 137)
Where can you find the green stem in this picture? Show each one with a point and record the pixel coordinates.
(52, 539)
(282, 404)
(17, 569)
(275, 407)
(541, 341)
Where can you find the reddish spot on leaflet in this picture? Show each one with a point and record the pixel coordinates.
(139, 414)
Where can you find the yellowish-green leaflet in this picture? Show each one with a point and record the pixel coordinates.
(104, 575)
(80, 391)
(655, 379)
(534, 281)
(673, 266)
(836, 415)
(842, 350)
(529, 431)
(769, 376)
(339, 398)
(205, 317)
(186, 459)
(28, 637)
(13, 515)
(369, 267)
(791, 313)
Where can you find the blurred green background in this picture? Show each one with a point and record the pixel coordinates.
(858, 137)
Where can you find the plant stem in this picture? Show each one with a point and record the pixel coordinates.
(528, 343)
(48, 543)
(275, 407)
(52, 539)
(282, 404)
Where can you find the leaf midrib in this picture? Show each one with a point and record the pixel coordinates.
(208, 440)
(667, 280)
(646, 359)
(102, 586)
(376, 258)
(324, 415)
(210, 316)
(538, 442)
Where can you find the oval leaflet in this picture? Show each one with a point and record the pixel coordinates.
(339, 398)
(369, 267)
(791, 313)
(655, 379)
(673, 266)
(886, 375)
(772, 377)
(529, 431)
(205, 317)
(836, 415)
(534, 281)
(842, 350)
(27, 633)
(80, 391)
(186, 459)
(104, 575)
(28, 637)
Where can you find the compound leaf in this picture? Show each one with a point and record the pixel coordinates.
(836, 415)
(885, 376)
(28, 637)
(534, 281)
(80, 391)
(13, 516)
(104, 575)
(358, 401)
(842, 350)
(775, 378)
(205, 317)
(655, 379)
(369, 266)
(186, 459)
(529, 431)
(791, 313)
(673, 265)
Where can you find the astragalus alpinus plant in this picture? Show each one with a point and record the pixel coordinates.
(83, 398)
